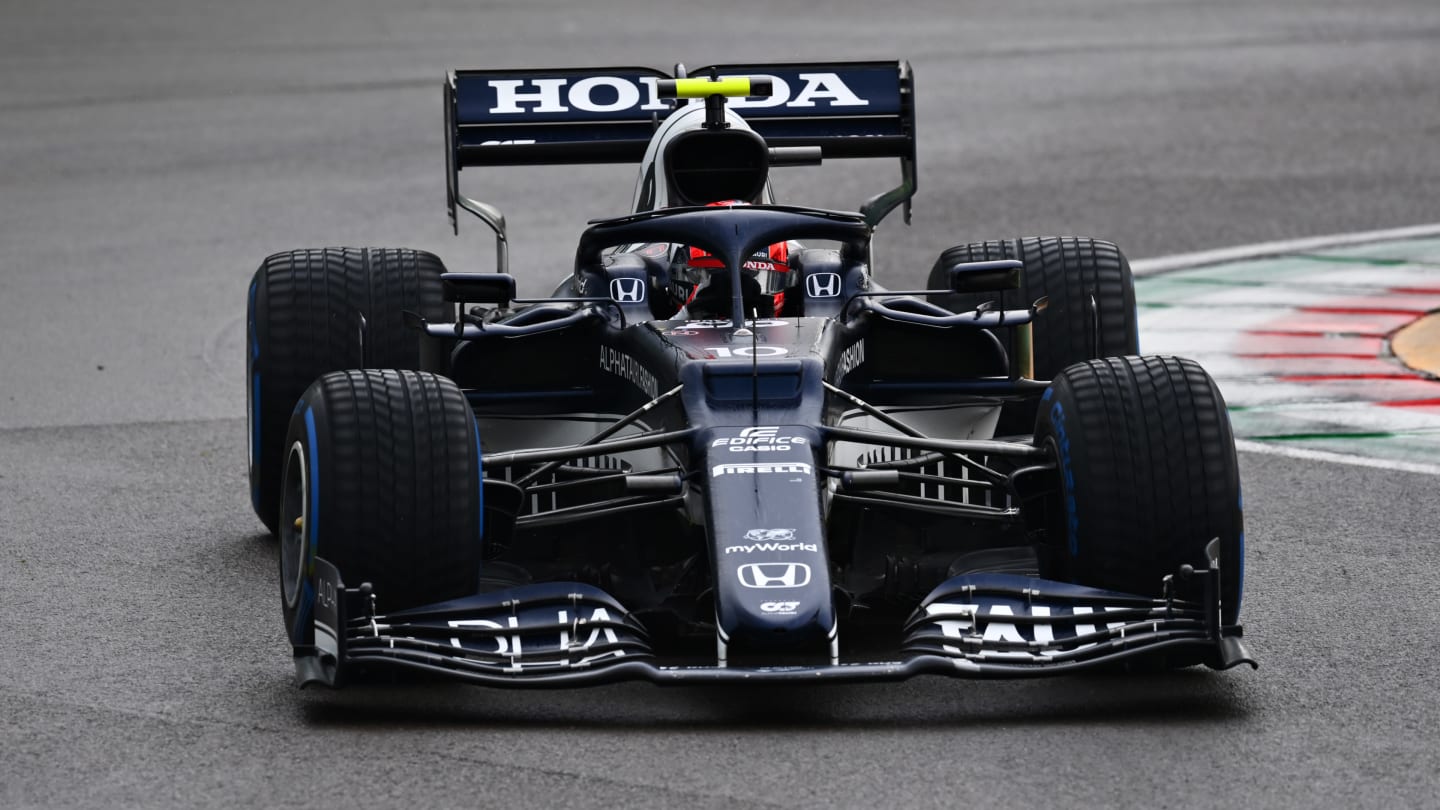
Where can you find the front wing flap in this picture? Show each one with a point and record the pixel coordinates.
(562, 634)
(1004, 625)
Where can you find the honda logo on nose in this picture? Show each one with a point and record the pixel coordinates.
(822, 285)
(774, 575)
(627, 290)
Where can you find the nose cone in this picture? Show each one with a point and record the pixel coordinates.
(790, 623)
(772, 569)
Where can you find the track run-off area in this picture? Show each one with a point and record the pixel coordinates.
(1326, 349)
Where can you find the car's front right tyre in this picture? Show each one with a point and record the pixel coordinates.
(313, 311)
(381, 478)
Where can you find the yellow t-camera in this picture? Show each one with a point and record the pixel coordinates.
(732, 87)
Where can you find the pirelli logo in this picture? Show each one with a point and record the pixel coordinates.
(759, 469)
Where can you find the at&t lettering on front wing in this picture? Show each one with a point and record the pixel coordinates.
(997, 623)
(568, 643)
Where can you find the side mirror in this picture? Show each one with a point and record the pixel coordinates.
(478, 288)
(991, 276)
(795, 156)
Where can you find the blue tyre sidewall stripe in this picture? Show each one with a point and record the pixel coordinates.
(312, 529)
(480, 478)
(1067, 477)
(1240, 561)
(253, 414)
(305, 609)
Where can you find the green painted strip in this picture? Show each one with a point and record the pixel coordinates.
(1356, 260)
(1256, 272)
(1418, 433)
(1220, 282)
(1415, 251)
(1406, 450)
(1301, 437)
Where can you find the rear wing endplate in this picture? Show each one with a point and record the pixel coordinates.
(607, 115)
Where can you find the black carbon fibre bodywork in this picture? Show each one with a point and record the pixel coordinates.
(699, 488)
(715, 498)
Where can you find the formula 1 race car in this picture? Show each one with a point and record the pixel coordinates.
(720, 450)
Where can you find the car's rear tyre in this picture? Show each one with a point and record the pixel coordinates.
(1148, 474)
(1072, 272)
(306, 315)
(381, 478)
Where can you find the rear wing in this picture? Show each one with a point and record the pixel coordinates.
(607, 115)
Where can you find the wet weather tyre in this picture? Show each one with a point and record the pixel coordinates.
(1071, 272)
(1148, 474)
(382, 479)
(313, 311)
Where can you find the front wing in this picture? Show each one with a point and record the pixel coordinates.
(559, 634)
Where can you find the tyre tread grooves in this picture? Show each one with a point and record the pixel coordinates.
(1154, 470)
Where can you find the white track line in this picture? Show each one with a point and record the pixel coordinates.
(1274, 449)
(1181, 261)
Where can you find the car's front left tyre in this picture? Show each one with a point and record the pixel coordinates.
(1091, 309)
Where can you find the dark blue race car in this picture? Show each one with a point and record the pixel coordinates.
(720, 450)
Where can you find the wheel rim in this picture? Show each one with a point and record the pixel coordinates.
(294, 518)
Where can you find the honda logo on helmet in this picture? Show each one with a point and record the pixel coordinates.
(774, 575)
(822, 285)
(627, 290)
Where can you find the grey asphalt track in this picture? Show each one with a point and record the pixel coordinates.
(152, 152)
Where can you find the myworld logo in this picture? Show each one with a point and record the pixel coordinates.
(617, 94)
(770, 540)
(752, 547)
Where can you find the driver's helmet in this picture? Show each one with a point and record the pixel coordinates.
(769, 267)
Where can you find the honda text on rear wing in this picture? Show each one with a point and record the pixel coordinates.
(805, 112)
